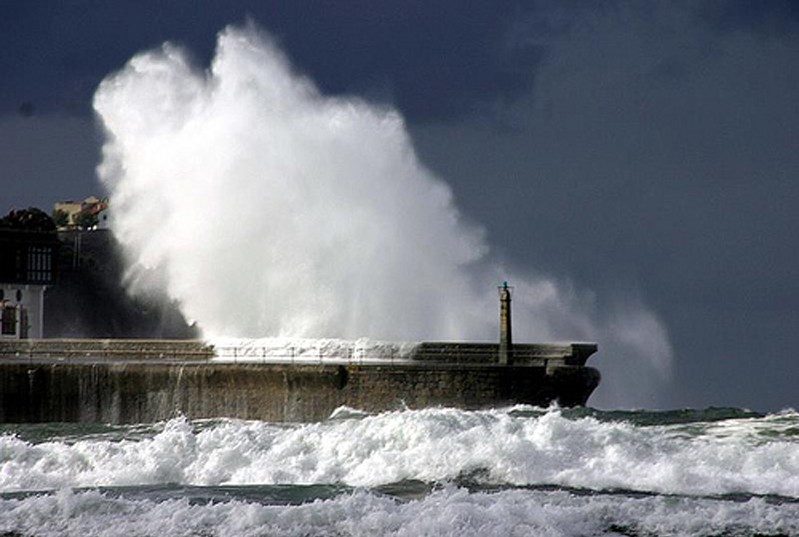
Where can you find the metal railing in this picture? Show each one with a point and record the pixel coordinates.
(451, 354)
(66, 349)
(193, 351)
(309, 355)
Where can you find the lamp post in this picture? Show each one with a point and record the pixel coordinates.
(505, 335)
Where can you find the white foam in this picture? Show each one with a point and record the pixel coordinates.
(428, 445)
(447, 512)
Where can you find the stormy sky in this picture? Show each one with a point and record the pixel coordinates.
(644, 152)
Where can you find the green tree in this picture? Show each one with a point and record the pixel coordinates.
(30, 219)
(86, 220)
(61, 218)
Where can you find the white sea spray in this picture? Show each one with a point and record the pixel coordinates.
(266, 208)
(751, 456)
(450, 511)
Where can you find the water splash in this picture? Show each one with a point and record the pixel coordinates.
(664, 453)
(267, 208)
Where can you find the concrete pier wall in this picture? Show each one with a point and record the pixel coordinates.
(136, 392)
(134, 382)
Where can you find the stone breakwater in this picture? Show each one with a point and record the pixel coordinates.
(135, 381)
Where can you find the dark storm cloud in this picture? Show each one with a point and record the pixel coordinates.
(642, 149)
(432, 60)
(46, 158)
(57, 52)
(435, 59)
(765, 18)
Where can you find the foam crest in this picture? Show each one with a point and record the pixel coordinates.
(450, 511)
(746, 456)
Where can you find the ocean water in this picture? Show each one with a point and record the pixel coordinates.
(513, 471)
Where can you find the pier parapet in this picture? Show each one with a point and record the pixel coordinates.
(132, 381)
(106, 349)
(525, 354)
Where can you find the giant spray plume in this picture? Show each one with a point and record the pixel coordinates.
(268, 209)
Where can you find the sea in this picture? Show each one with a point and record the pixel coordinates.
(518, 471)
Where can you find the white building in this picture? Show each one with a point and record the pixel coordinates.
(22, 311)
(103, 219)
(27, 268)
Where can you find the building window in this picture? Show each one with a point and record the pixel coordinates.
(8, 324)
(25, 325)
(40, 264)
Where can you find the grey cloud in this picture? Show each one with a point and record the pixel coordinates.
(654, 156)
(45, 159)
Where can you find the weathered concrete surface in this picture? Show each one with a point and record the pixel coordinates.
(538, 354)
(134, 381)
(136, 392)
